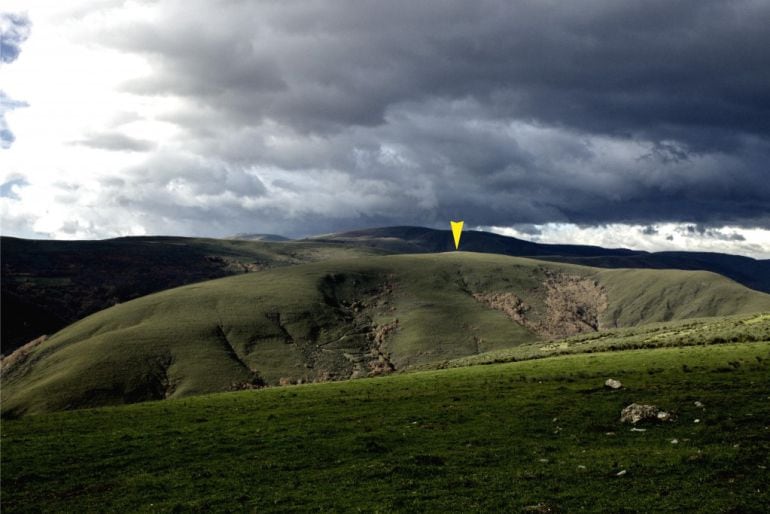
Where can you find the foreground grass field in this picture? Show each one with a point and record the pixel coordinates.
(523, 436)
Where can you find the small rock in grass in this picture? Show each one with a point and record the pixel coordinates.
(543, 460)
(613, 384)
(664, 416)
(698, 404)
(638, 429)
(675, 441)
(696, 421)
(621, 473)
(580, 466)
(637, 412)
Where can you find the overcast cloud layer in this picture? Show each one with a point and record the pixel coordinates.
(211, 118)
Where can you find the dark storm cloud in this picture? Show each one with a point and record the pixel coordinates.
(711, 233)
(528, 228)
(500, 112)
(195, 176)
(652, 67)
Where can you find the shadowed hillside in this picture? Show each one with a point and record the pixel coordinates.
(47, 285)
(341, 319)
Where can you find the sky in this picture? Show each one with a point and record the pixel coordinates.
(643, 124)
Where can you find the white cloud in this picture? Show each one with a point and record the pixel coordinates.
(751, 242)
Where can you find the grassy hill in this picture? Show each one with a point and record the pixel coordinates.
(744, 328)
(46, 285)
(342, 319)
(750, 272)
(535, 436)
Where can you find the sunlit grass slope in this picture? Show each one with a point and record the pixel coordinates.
(335, 320)
(660, 295)
(534, 436)
(743, 328)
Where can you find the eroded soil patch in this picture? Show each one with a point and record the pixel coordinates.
(573, 305)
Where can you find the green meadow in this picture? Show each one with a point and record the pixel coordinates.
(533, 436)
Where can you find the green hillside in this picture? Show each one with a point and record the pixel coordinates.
(535, 436)
(342, 319)
(46, 285)
(744, 270)
(744, 328)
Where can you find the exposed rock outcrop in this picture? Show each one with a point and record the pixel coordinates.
(573, 305)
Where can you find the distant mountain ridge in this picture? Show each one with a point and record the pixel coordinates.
(258, 237)
(405, 239)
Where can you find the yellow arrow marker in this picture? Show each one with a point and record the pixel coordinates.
(457, 228)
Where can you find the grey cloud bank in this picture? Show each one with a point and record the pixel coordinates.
(309, 116)
(116, 141)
